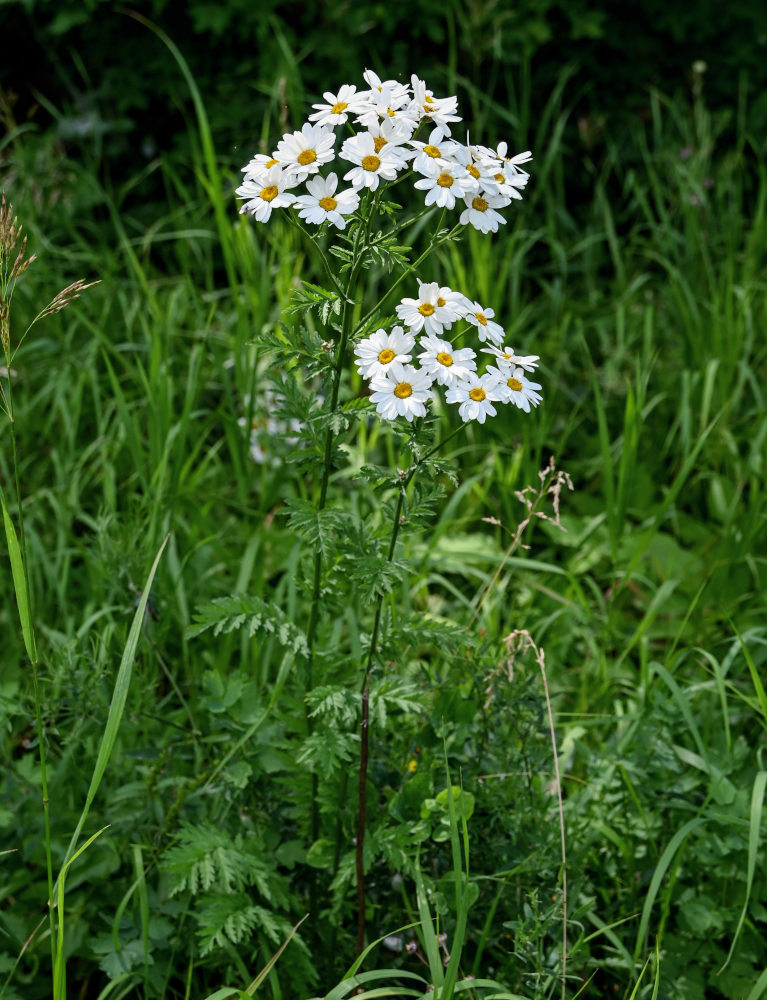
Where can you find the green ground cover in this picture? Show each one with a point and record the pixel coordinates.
(647, 304)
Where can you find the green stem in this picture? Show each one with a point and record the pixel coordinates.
(408, 270)
(364, 728)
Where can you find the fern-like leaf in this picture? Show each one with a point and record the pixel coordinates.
(227, 614)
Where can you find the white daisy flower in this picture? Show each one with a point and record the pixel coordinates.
(480, 212)
(513, 161)
(443, 364)
(259, 165)
(480, 169)
(445, 183)
(302, 153)
(480, 317)
(400, 93)
(514, 387)
(475, 396)
(425, 105)
(339, 106)
(378, 352)
(506, 359)
(263, 194)
(510, 182)
(324, 204)
(401, 392)
(437, 150)
(435, 309)
(371, 166)
(385, 133)
(387, 104)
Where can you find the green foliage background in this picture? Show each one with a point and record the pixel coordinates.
(635, 267)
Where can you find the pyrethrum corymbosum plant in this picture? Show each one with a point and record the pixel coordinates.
(418, 361)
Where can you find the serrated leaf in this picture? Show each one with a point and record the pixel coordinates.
(318, 528)
(227, 614)
(309, 296)
(327, 751)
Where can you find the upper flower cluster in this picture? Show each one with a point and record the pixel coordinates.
(384, 121)
(400, 389)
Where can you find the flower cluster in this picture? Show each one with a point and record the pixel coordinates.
(265, 428)
(400, 388)
(385, 120)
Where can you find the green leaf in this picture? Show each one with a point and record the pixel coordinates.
(318, 528)
(228, 614)
(19, 583)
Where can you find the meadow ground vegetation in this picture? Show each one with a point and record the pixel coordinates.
(295, 630)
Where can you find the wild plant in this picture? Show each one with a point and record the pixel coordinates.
(359, 388)
(13, 264)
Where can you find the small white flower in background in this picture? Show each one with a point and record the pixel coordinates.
(425, 105)
(507, 359)
(480, 212)
(377, 353)
(445, 183)
(324, 204)
(402, 392)
(443, 363)
(482, 318)
(339, 106)
(513, 386)
(264, 193)
(372, 166)
(439, 149)
(475, 396)
(435, 309)
(303, 153)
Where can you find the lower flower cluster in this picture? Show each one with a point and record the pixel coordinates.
(401, 388)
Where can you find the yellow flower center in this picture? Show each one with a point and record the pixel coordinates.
(386, 356)
(426, 309)
(445, 359)
(339, 107)
(370, 163)
(328, 203)
(441, 302)
(473, 170)
(379, 142)
(479, 204)
(481, 318)
(269, 193)
(306, 156)
(432, 151)
(271, 163)
(499, 177)
(514, 383)
(389, 112)
(403, 390)
(477, 394)
(445, 181)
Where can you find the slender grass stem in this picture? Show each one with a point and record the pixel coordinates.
(34, 660)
